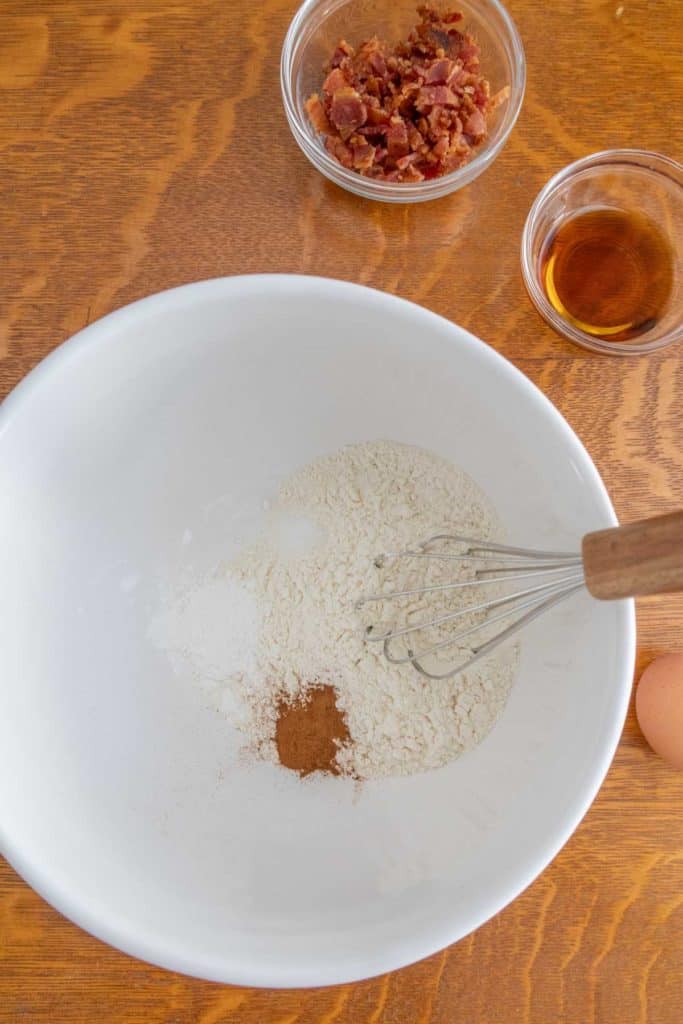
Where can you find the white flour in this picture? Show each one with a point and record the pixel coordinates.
(288, 606)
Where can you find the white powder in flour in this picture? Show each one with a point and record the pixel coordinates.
(212, 626)
(288, 608)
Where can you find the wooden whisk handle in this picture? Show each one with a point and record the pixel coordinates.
(636, 559)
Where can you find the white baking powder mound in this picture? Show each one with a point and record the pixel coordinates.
(283, 616)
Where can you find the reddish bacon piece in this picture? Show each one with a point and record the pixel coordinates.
(475, 124)
(335, 80)
(439, 72)
(317, 115)
(397, 139)
(347, 111)
(363, 156)
(339, 150)
(435, 96)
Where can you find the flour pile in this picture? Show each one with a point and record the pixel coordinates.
(303, 579)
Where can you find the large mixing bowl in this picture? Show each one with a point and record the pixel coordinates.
(140, 454)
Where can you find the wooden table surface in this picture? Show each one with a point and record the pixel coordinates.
(143, 145)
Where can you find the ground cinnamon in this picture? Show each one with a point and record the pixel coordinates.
(309, 732)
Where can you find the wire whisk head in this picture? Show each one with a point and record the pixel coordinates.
(460, 598)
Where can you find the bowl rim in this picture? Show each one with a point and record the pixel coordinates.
(391, 192)
(657, 164)
(123, 933)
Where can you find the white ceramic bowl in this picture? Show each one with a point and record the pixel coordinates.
(122, 796)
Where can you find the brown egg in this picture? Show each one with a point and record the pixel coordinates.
(659, 707)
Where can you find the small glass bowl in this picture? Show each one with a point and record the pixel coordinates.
(628, 180)
(312, 38)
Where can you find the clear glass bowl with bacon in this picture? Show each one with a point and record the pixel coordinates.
(400, 102)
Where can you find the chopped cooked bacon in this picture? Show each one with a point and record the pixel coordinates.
(342, 52)
(377, 116)
(439, 72)
(407, 113)
(446, 19)
(347, 111)
(317, 115)
(411, 173)
(475, 124)
(442, 146)
(363, 156)
(397, 139)
(435, 96)
(415, 137)
(502, 96)
(406, 161)
(436, 123)
(335, 80)
(378, 64)
(339, 150)
(469, 53)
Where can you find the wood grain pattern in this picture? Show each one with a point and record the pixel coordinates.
(635, 559)
(130, 134)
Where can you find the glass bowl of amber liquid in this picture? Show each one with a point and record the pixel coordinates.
(602, 252)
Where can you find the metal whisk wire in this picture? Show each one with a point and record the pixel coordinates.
(564, 576)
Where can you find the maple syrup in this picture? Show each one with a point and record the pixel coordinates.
(608, 272)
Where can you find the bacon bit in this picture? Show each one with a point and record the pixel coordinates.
(317, 115)
(481, 95)
(378, 64)
(406, 161)
(397, 139)
(500, 97)
(409, 113)
(469, 53)
(335, 81)
(347, 111)
(437, 122)
(475, 124)
(339, 150)
(435, 96)
(363, 156)
(439, 72)
(406, 102)
(378, 116)
(342, 52)
(411, 173)
(415, 137)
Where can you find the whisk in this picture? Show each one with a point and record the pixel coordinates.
(634, 560)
